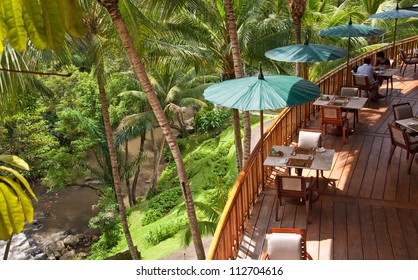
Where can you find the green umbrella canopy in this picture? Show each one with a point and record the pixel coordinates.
(306, 53)
(395, 14)
(350, 30)
(262, 92)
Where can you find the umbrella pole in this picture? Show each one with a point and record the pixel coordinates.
(394, 43)
(262, 147)
(348, 61)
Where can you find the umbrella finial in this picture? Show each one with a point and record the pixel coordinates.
(350, 22)
(260, 74)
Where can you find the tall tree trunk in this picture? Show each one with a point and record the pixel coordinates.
(139, 69)
(7, 249)
(138, 170)
(297, 9)
(158, 152)
(239, 73)
(115, 169)
(126, 162)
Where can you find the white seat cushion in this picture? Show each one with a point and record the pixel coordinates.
(309, 139)
(284, 246)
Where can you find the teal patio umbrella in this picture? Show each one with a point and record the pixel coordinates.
(262, 93)
(306, 53)
(351, 30)
(395, 14)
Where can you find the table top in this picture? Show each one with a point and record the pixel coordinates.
(321, 161)
(385, 73)
(351, 102)
(411, 123)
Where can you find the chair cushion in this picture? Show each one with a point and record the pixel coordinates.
(349, 91)
(309, 139)
(284, 246)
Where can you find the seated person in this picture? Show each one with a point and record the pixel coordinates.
(381, 60)
(367, 70)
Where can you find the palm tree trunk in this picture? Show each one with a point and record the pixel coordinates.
(139, 69)
(115, 169)
(158, 152)
(6, 251)
(128, 186)
(239, 73)
(138, 170)
(297, 9)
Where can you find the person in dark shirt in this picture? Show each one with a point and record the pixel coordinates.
(381, 60)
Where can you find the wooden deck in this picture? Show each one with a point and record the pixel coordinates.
(366, 209)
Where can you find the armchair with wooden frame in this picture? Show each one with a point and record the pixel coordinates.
(362, 83)
(407, 60)
(400, 138)
(294, 187)
(286, 244)
(334, 115)
(308, 138)
(403, 111)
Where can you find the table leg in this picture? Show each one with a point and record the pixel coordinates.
(315, 193)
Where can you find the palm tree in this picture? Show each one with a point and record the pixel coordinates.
(96, 50)
(139, 69)
(236, 56)
(297, 9)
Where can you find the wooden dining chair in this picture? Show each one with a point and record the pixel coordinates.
(351, 92)
(400, 138)
(308, 138)
(403, 111)
(334, 115)
(407, 60)
(362, 83)
(294, 187)
(286, 244)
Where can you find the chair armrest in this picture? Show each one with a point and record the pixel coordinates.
(265, 256)
(308, 256)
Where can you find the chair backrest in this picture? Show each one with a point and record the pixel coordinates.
(361, 81)
(402, 55)
(331, 115)
(398, 136)
(310, 138)
(349, 91)
(291, 186)
(286, 244)
(402, 111)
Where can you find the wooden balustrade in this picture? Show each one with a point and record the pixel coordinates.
(248, 185)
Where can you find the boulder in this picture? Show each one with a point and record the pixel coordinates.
(70, 255)
(71, 240)
(54, 250)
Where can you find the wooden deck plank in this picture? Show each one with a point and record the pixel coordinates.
(360, 168)
(366, 185)
(392, 176)
(326, 231)
(340, 232)
(410, 232)
(368, 238)
(346, 176)
(402, 192)
(400, 251)
(384, 246)
(314, 230)
(355, 249)
(381, 171)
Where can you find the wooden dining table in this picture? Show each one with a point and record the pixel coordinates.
(314, 159)
(386, 74)
(410, 123)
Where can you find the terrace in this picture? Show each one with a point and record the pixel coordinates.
(366, 208)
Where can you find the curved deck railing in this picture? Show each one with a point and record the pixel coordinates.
(248, 185)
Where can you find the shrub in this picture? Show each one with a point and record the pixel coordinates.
(161, 204)
(163, 232)
(210, 120)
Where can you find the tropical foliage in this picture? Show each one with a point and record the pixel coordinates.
(15, 197)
